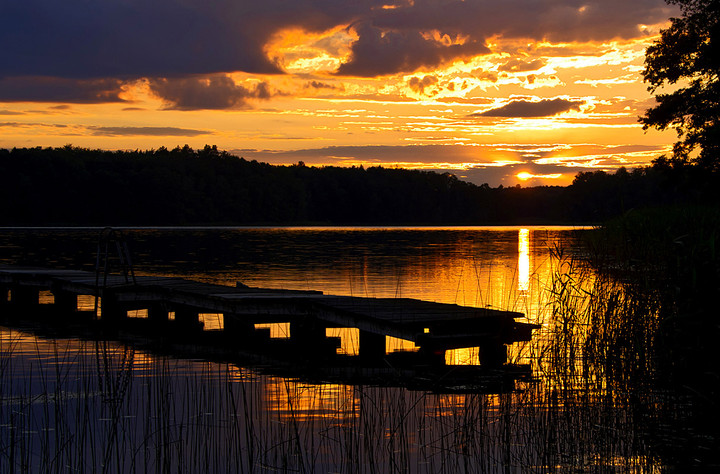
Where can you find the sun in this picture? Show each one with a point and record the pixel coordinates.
(524, 176)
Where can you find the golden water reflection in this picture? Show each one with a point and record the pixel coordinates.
(523, 260)
(505, 268)
(193, 404)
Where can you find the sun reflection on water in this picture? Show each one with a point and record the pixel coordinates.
(524, 261)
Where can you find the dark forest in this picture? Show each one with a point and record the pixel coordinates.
(182, 186)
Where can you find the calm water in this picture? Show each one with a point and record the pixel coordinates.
(99, 406)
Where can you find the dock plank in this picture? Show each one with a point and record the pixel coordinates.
(416, 320)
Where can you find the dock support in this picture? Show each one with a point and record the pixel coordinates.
(4, 295)
(492, 354)
(24, 296)
(157, 314)
(309, 337)
(64, 302)
(188, 319)
(372, 347)
(113, 314)
(433, 356)
(238, 327)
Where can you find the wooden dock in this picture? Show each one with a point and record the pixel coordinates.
(174, 305)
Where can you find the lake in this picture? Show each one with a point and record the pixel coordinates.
(103, 406)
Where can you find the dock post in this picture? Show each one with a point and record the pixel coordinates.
(309, 337)
(237, 327)
(24, 296)
(157, 314)
(188, 319)
(372, 347)
(4, 295)
(432, 356)
(492, 354)
(112, 313)
(65, 302)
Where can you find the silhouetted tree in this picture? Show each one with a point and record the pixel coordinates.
(688, 55)
(182, 186)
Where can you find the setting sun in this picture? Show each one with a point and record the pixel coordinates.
(524, 176)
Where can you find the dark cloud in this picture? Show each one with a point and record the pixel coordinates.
(132, 39)
(396, 32)
(553, 20)
(322, 85)
(51, 89)
(146, 131)
(527, 108)
(368, 153)
(32, 125)
(11, 112)
(117, 38)
(419, 85)
(215, 92)
(380, 51)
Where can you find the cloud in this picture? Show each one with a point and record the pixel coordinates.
(146, 131)
(386, 51)
(521, 65)
(32, 125)
(527, 108)
(322, 85)
(215, 92)
(493, 164)
(490, 76)
(466, 100)
(369, 154)
(87, 51)
(53, 89)
(118, 38)
(419, 85)
(424, 34)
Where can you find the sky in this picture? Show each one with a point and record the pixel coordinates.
(508, 92)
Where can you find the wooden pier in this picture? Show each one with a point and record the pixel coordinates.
(174, 306)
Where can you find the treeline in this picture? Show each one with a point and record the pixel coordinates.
(76, 186)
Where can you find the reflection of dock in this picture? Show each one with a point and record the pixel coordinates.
(172, 306)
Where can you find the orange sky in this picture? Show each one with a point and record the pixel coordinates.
(500, 92)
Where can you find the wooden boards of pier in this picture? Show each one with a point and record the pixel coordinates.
(433, 327)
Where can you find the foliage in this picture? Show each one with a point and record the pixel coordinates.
(688, 55)
(75, 186)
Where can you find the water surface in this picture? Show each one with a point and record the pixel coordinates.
(104, 406)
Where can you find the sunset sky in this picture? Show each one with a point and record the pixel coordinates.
(503, 92)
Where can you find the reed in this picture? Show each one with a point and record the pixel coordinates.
(596, 404)
(100, 407)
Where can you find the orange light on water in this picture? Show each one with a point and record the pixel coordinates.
(524, 261)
